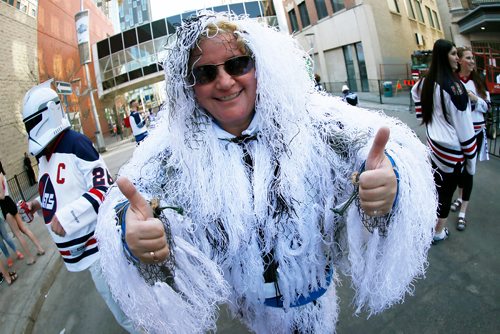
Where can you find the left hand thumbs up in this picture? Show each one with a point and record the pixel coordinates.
(378, 184)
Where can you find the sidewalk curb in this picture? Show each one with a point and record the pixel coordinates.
(51, 271)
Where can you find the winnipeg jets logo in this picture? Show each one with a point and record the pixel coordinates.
(47, 198)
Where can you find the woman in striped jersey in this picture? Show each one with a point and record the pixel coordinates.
(446, 113)
(480, 101)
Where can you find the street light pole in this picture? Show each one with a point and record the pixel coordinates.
(101, 146)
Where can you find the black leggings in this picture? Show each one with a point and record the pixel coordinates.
(446, 183)
(465, 181)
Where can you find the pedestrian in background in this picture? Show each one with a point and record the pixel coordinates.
(480, 103)
(11, 215)
(446, 113)
(73, 183)
(6, 239)
(348, 96)
(9, 276)
(29, 169)
(137, 122)
(317, 79)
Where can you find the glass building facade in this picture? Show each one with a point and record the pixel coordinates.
(136, 53)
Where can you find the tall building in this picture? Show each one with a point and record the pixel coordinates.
(110, 8)
(19, 72)
(363, 42)
(29, 7)
(133, 13)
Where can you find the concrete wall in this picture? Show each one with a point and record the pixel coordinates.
(388, 38)
(18, 68)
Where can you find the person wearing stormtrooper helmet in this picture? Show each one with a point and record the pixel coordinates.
(73, 180)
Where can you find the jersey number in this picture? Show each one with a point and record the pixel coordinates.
(100, 176)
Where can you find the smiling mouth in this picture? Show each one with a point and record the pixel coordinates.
(229, 97)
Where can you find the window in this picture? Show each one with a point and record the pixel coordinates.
(304, 15)
(221, 8)
(360, 55)
(393, 6)
(349, 64)
(321, 9)
(293, 20)
(420, 15)
(144, 33)
(429, 17)
(129, 38)
(159, 28)
(409, 8)
(237, 8)
(436, 20)
(253, 9)
(338, 5)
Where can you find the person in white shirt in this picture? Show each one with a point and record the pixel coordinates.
(446, 113)
(480, 101)
(137, 122)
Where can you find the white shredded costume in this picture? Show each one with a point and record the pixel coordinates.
(226, 214)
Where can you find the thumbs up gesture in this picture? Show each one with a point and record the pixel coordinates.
(378, 184)
(145, 235)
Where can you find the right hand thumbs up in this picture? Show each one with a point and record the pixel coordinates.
(145, 235)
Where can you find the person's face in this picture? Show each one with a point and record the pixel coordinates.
(134, 105)
(229, 99)
(453, 58)
(467, 62)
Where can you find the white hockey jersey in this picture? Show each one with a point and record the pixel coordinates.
(137, 123)
(416, 90)
(450, 135)
(73, 181)
(479, 108)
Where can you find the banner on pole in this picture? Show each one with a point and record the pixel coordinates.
(83, 36)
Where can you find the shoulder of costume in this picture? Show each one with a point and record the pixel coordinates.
(75, 143)
(457, 92)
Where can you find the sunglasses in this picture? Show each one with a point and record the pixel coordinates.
(235, 66)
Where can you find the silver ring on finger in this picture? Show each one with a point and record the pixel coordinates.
(154, 257)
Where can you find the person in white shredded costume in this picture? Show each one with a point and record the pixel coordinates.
(480, 103)
(256, 190)
(446, 113)
(73, 181)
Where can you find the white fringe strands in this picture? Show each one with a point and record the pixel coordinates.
(307, 146)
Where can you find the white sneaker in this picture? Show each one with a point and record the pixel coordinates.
(440, 236)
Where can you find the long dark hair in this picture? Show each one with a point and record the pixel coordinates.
(1, 169)
(474, 76)
(439, 71)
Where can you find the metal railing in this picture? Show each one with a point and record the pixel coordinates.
(20, 187)
(493, 129)
(390, 91)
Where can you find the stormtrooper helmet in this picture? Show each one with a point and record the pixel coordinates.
(43, 117)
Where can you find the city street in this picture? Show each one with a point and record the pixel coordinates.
(460, 293)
